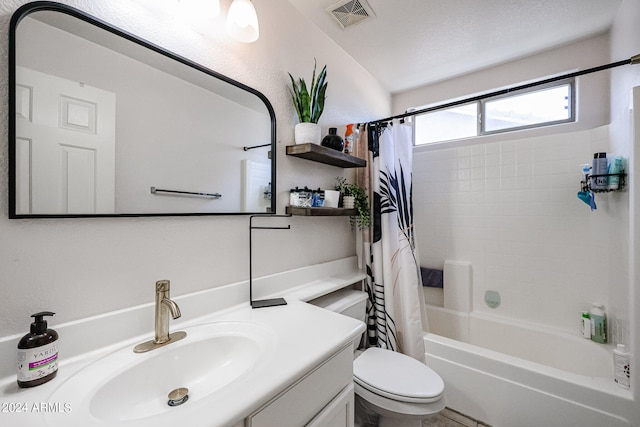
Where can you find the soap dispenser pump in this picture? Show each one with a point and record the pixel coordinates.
(38, 353)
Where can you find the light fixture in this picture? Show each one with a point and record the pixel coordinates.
(242, 21)
(199, 13)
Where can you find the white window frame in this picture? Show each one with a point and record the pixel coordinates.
(571, 102)
(481, 103)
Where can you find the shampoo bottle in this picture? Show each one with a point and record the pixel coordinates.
(598, 323)
(38, 353)
(621, 365)
(615, 167)
(600, 169)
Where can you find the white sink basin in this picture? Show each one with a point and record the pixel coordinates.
(131, 386)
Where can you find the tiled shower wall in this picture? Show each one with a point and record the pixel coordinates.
(510, 209)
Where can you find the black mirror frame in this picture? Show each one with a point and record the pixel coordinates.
(36, 6)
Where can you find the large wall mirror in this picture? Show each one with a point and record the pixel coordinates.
(103, 123)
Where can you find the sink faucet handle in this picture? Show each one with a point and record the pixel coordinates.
(163, 286)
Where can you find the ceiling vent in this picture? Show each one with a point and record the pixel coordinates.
(351, 12)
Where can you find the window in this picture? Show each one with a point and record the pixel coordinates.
(447, 124)
(532, 107)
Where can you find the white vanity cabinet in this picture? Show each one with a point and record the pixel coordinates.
(339, 412)
(322, 398)
(302, 374)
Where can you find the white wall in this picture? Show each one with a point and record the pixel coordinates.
(82, 267)
(623, 80)
(625, 132)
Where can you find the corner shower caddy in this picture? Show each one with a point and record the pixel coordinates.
(586, 184)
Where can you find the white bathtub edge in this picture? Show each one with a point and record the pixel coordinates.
(504, 390)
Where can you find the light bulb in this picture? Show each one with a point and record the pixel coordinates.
(242, 21)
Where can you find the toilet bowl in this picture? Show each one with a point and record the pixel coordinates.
(399, 389)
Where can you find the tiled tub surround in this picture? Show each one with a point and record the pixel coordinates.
(510, 210)
(305, 336)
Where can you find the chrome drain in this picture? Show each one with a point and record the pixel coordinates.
(178, 396)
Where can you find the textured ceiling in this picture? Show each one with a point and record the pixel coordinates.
(411, 43)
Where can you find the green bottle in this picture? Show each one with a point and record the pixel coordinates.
(598, 323)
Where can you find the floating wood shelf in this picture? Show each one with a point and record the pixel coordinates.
(318, 153)
(294, 210)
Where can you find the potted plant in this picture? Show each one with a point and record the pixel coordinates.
(309, 105)
(355, 197)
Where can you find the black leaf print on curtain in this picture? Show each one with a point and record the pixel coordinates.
(372, 336)
(395, 198)
(381, 327)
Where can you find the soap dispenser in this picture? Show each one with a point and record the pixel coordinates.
(38, 353)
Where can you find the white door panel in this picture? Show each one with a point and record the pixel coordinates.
(71, 130)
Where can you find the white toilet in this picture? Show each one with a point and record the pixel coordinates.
(400, 389)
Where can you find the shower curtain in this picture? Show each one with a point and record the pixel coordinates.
(395, 309)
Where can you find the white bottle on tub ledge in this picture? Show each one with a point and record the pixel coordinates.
(622, 366)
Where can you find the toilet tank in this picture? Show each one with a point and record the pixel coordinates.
(348, 302)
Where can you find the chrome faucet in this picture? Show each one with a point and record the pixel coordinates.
(164, 307)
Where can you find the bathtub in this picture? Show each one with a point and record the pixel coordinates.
(511, 374)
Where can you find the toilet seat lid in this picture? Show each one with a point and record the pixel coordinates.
(397, 376)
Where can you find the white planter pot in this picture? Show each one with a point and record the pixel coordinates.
(348, 202)
(307, 132)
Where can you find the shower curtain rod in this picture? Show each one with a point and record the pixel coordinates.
(631, 61)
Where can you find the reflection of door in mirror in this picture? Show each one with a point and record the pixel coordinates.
(65, 146)
(256, 186)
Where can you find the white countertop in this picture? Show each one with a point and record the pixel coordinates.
(306, 336)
